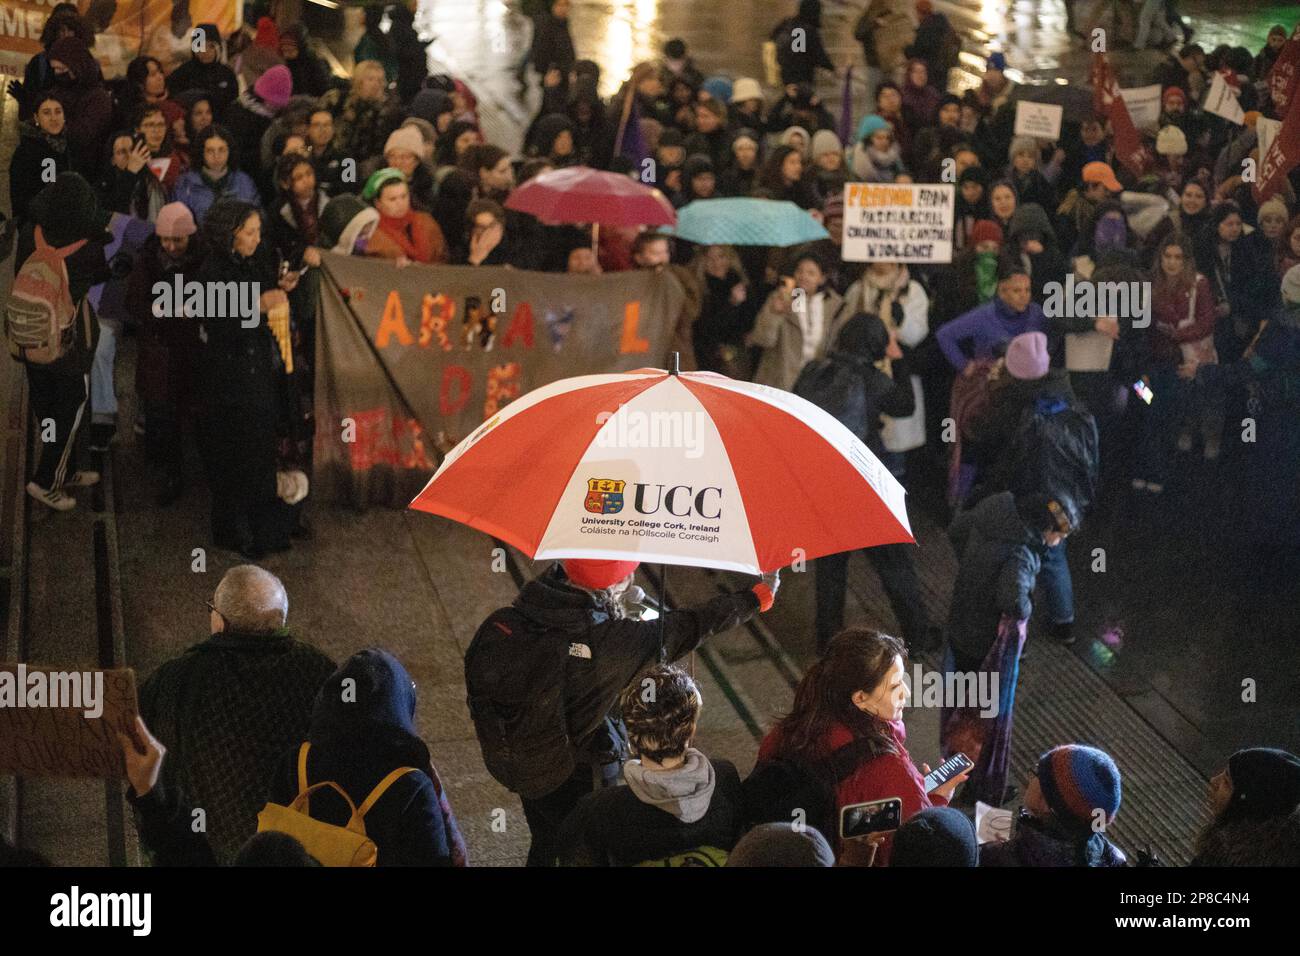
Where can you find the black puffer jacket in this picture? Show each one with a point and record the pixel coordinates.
(1246, 842)
(1039, 843)
(999, 559)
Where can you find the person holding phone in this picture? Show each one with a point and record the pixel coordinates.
(854, 697)
(793, 325)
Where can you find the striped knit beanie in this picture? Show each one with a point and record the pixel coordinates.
(1078, 780)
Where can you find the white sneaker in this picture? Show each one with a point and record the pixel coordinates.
(55, 499)
(1155, 487)
(1139, 484)
(82, 479)
(1211, 448)
(1185, 442)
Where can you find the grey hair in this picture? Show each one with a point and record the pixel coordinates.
(252, 600)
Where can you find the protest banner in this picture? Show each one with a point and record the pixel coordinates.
(1143, 104)
(123, 30)
(896, 222)
(1266, 131)
(412, 360)
(64, 723)
(1040, 120)
(1222, 101)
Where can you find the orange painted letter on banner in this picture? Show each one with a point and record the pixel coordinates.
(454, 374)
(502, 387)
(632, 342)
(521, 326)
(393, 321)
(436, 313)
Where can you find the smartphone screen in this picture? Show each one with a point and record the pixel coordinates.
(878, 816)
(954, 766)
(1144, 391)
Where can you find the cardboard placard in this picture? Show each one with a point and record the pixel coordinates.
(898, 222)
(1222, 101)
(1039, 120)
(1143, 104)
(59, 722)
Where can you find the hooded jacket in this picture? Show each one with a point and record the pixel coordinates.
(27, 168)
(356, 739)
(619, 648)
(657, 814)
(87, 104)
(1030, 220)
(216, 78)
(998, 562)
(987, 329)
(1039, 843)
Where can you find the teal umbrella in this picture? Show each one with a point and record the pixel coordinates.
(742, 221)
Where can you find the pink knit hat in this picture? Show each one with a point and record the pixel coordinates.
(275, 86)
(175, 220)
(1027, 356)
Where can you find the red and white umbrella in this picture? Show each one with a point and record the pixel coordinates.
(582, 194)
(691, 468)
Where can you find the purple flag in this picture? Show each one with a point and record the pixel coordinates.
(846, 108)
(633, 146)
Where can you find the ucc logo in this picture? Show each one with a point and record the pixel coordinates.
(606, 496)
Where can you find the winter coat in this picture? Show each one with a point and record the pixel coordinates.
(872, 167)
(27, 175)
(780, 335)
(884, 29)
(801, 67)
(938, 44)
(987, 329)
(236, 366)
(248, 119)
(167, 368)
(226, 710)
(87, 104)
(910, 318)
(998, 557)
(409, 50)
(286, 238)
(1039, 843)
(424, 241)
(358, 740)
(361, 126)
(199, 194)
(619, 649)
(1177, 320)
(722, 326)
(1046, 266)
(876, 778)
(552, 45)
(216, 78)
(1246, 842)
(1246, 281)
(614, 827)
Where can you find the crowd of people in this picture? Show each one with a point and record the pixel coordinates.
(250, 159)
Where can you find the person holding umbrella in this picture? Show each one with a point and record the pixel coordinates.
(544, 674)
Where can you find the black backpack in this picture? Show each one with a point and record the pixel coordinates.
(1055, 450)
(514, 679)
(785, 791)
(837, 384)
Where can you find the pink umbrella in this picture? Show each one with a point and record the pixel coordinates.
(582, 194)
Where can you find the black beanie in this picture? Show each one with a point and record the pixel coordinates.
(939, 836)
(68, 210)
(1265, 783)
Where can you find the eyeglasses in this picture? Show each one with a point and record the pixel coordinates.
(212, 607)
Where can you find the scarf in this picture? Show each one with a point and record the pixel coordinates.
(684, 791)
(218, 183)
(58, 143)
(402, 232)
(986, 275)
(884, 159)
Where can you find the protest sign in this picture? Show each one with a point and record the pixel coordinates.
(1143, 105)
(1040, 120)
(412, 360)
(897, 222)
(64, 723)
(1222, 101)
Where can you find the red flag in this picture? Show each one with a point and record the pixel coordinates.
(1283, 156)
(1285, 74)
(1106, 98)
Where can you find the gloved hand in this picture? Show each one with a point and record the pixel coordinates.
(773, 581)
(765, 590)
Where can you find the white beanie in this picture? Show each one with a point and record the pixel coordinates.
(407, 138)
(825, 141)
(1171, 142)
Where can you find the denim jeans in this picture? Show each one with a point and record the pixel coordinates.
(1057, 586)
(103, 397)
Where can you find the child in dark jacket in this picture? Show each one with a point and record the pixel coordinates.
(1070, 800)
(676, 800)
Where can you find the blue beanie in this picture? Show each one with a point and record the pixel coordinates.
(870, 124)
(1077, 780)
(718, 87)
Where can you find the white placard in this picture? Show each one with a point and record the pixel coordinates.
(1143, 104)
(1222, 101)
(1266, 131)
(992, 824)
(1040, 120)
(898, 222)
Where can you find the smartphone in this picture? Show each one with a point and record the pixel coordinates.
(877, 816)
(1144, 391)
(954, 766)
(137, 140)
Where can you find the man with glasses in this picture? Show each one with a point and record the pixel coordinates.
(229, 706)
